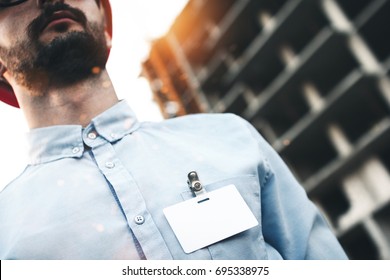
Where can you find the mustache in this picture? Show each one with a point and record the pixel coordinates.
(35, 27)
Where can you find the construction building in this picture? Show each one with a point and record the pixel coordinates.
(313, 76)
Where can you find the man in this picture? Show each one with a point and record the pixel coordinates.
(101, 185)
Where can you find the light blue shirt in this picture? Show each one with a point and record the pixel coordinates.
(99, 192)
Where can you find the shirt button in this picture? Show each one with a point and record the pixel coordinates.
(139, 220)
(92, 135)
(110, 164)
(75, 150)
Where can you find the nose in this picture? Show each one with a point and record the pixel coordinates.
(42, 2)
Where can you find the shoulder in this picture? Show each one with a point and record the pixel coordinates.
(207, 117)
(201, 122)
(226, 133)
(7, 190)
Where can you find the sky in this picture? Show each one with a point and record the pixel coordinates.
(136, 23)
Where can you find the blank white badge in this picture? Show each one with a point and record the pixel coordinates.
(209, 218)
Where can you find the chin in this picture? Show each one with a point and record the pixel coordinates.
(72, 57)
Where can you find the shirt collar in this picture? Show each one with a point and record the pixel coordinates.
(65, 141)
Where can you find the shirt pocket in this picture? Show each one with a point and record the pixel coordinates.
(248, 244)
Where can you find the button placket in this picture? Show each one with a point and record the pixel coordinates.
(131, 201)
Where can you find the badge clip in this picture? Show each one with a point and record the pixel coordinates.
(194, 184)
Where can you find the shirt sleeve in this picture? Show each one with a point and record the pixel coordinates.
(291, 223)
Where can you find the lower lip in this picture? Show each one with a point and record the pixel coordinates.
(59, 21)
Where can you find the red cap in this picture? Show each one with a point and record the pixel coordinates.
(6, 92)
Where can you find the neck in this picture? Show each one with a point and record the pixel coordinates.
(75, 104)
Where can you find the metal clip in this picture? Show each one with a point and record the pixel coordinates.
(194, 183)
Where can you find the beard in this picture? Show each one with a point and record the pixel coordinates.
(69, 58)
(72, 58)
